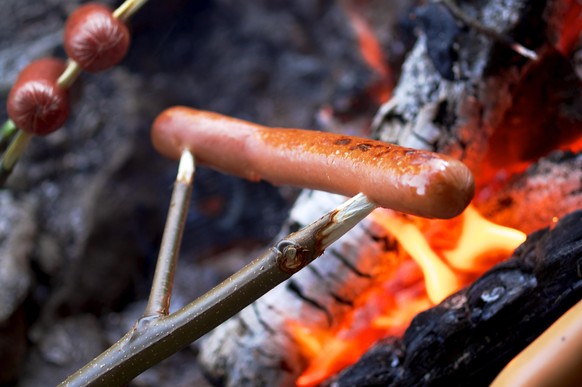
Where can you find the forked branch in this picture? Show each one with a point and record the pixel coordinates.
(157, 335)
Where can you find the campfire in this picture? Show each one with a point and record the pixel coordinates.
(501, 125)
(400, 299)
(422, 279)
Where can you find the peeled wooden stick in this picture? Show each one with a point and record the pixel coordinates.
(153, 339)
(407, 180)
(161, 292)
(515, 46)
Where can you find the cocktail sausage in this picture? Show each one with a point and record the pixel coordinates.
(36, 103)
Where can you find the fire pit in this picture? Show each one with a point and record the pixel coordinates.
(485, 110)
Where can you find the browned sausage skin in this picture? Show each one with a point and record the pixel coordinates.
(411, 181)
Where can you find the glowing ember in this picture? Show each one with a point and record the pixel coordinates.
(469, 243)
(571, 26)
(371, 52)
(384, 311)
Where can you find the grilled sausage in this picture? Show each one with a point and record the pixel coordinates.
(407, 180)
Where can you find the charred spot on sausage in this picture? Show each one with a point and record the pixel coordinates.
(343, 141)
(364, 147)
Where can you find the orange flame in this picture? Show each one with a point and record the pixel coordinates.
(437, 267)
(440, 280)
(383, 311)
(480, 240)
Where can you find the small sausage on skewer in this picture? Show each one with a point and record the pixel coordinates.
(407, 180)
(36, 103)
(94, 38)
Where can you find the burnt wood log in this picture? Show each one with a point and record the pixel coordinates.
(449, 100)
(476, 94)
(474, 333)
(552, 186)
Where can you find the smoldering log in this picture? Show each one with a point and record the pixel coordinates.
(454, 99)
(474, 333)
(432, 110)
(256, 347)
(552, 186)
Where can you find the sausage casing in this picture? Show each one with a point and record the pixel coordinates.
(412, 181)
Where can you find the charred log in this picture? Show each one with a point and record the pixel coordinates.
(454, 114)
(469, 337)
(553, 186)
(481, 100)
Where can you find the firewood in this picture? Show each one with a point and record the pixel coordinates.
(553, 186)
(493, 99)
